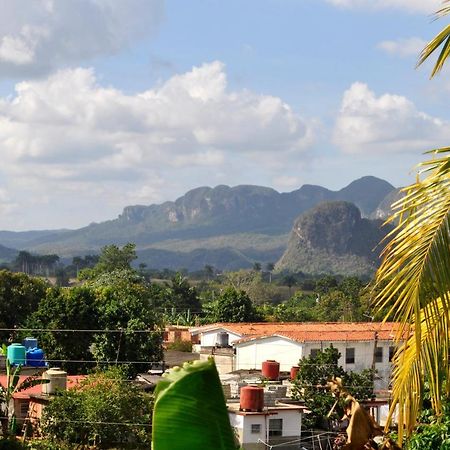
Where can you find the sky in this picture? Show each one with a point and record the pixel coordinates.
(107, 103)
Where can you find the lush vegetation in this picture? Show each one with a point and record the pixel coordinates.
(105, 411)
(311, 385)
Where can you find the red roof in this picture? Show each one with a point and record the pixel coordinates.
(309, 331)
(72, 381)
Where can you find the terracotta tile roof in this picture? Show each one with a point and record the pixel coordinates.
(308, 331)
(72, 381)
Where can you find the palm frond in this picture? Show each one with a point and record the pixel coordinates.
(416, 272)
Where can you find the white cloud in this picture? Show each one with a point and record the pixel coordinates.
(286, 183)
(403, 47)
(414, 6)
(67, 133)
(38, 36)
(385, 124)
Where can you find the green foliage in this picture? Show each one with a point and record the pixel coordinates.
(119, 300)
(112, 258)
(106, 411)
(232, 306)
(20, 295)
(70, 309)
(124, 301)
(299, 308)
(184, 396)
(311, 386)
(335, 306)
(433, 432)
(179, 294)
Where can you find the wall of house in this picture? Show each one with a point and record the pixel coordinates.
(364, 352)
(250, 355)
(209, 338)
(249, 441)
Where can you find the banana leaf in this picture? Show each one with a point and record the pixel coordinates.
(190, 411)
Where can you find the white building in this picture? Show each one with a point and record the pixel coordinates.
(274, 425)
(362, 345)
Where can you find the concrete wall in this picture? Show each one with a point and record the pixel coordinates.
(250, 355)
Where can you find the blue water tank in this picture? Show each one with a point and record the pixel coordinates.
(16, 354)
(30, 342)
(35, 357)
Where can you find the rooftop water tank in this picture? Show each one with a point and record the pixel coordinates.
(58, 381)
(30, 342)
(271, 370)
(35, 357)
(16, 354)
(252, 398)
(294, 372)
(222, 339)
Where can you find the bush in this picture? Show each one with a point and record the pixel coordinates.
(106, 410)
(180, 346)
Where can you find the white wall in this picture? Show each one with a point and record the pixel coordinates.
(291, 425)
(363, 357)
(250, 355)
(209, 338)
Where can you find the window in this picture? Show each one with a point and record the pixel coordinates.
(391, 353)
(350, 355)
(314, 352)
(24, 409)
(275, 427)
(256, 428)
(378, 354)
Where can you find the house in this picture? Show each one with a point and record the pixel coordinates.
(31, 401)
(245, 346)
(256, 430)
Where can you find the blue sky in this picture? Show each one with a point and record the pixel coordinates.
(104, 104)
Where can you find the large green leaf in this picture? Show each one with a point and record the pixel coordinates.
(190, 411)
(416, 273)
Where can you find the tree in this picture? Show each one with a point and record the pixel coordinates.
(125, 303)
(67, 309)
(20, 295)
(257, 267)
(416, 269)
(311, 385)
(232, 306)
(180, 295)
(112, 258)
(209, 271)
(299, 308)
(106, 411)
(270, 267)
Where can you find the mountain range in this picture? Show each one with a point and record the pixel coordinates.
(227, 227)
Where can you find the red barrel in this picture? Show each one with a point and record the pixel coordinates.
(294, 372)
(271, 370)
(252, 398)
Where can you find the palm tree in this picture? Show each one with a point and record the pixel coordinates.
(414, 278)
(270, 267)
